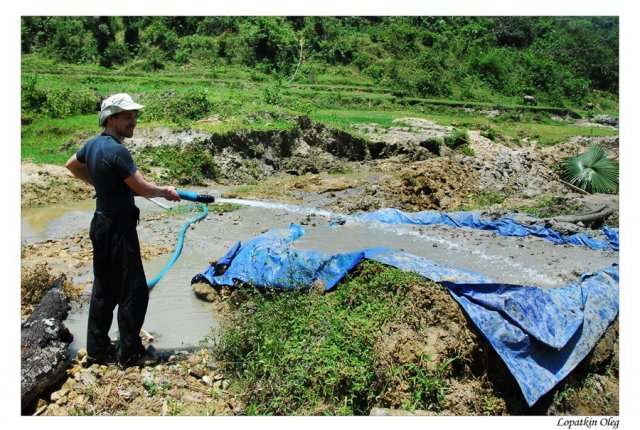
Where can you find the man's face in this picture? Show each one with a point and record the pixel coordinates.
(124, 122)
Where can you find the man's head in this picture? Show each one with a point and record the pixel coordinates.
(118, 113)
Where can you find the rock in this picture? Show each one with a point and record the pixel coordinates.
(87, 378)
(190, 397)
(197, 371)
(205, 292)
(606, 120)
(207, 380)
(128, 394)
(56, 410)
(193, 360)
(318, 287)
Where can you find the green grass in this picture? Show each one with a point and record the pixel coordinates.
(298, 353)
(551, 134)
(343, 119)
(551, 206)
(482, 200)
(53, 141)
(339, 97)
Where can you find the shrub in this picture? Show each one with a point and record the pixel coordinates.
(272, 94)
(116, 53)
(179, 108)
(457, 138)
(55, 103)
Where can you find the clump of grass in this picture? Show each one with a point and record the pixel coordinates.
(457, 138)
(221, 208)
(299, 353)
(550, 206)
(482, 200)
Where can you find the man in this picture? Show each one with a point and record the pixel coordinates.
(119, 277)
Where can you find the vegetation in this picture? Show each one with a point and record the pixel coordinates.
(559, 60)
(592, 171)
(222, 74)
(298, 353)
(551, 206)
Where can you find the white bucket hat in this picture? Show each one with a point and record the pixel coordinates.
(114, 104)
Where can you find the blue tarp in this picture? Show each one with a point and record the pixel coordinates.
(540, 333)
(503, 226)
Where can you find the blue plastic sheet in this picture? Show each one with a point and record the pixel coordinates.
(540, 333)
(504, 226)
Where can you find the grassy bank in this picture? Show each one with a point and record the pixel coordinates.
(300, 353)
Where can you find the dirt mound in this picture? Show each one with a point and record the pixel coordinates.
(45, 184)
(437, 331)
(434, 184)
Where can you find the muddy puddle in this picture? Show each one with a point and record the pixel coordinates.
(178, 320)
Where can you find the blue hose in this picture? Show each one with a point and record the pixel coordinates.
(152, 283)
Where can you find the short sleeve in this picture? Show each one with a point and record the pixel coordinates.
(81, 154)
(123, 162)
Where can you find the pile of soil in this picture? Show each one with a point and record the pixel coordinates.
(47, 184)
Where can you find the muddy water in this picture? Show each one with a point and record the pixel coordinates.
(179, 320)
(48, 222)
(175, 317)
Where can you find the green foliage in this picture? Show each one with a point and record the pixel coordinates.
(189, 165)
(299, 353)
(560, 60)
(490, 133)
(151, 386)
(457, 139)
(592, 171)
(115, 54)
(550, 206)
(482, 200)
(272, 94)
(270, 44)
(491, 67)
(53, 102)
(179, 108)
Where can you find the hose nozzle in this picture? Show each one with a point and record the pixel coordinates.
(200, 198)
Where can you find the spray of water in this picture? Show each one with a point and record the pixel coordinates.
(399, 230)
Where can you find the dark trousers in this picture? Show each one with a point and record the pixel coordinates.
(118, 280)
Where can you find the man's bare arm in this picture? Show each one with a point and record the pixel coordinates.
(78, 169)
(144, 188)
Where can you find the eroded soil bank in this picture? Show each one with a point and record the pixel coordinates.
(400, 170)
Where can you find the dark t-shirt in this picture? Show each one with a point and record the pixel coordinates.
(109, 163)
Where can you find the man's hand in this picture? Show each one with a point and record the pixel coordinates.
(170, 193)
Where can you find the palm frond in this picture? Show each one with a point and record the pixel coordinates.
(592, 171)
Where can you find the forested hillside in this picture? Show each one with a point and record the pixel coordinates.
(562, 61)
